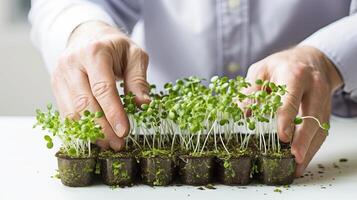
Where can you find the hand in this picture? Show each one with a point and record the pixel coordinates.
(85, 78)
(311, 79)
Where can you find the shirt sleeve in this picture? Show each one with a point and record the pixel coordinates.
(338, 41)
(125, 13)
(53, 21)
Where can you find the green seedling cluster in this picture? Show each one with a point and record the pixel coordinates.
(76, 136)
(218, 128)
(188, 115)
(193, 116)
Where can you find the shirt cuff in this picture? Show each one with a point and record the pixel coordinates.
(66, 21)
(338, 41)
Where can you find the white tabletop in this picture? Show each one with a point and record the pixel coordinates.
(26, 168)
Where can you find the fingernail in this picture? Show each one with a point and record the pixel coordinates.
(116, 145)
(120, 130)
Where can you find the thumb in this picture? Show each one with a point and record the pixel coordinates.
(135, 75)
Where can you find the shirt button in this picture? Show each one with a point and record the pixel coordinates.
(233, 68)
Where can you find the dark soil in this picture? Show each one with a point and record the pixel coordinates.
(196, 170)
(118, 169)
(75, 172)
(157, 171)
(234, 170)
(277, 169)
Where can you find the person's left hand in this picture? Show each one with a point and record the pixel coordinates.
(311, 79)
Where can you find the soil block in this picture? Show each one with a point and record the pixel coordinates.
(157, 171)
(118, 169)
(234, 170)
(277, 170)
(196, 170)
(75, 172)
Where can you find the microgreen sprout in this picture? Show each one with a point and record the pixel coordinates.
(324, 126)
(76, 135)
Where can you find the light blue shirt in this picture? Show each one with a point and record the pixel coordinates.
(224, 37)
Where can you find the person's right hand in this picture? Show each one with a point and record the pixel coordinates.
(85, 78)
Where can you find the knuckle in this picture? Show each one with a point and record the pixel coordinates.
(102, 89)
(299, 71)
(145, 58)
(121, 42)
(67, 60)
(253, 68)
(81, 102)
(69, 115)
(291, 104)
(94, 47)
(319, 82)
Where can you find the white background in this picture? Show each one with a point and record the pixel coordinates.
(24, 81)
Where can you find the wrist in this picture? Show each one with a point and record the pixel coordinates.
(331, 72)
(87, 31)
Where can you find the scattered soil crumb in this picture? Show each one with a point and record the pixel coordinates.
(335, 166)
(201, 188)
(323, 187)
(242, 187)
(320, 172)
(320, 166)
(210, 186)
(278, 190)
(343, 160)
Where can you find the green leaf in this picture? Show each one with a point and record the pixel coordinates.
(326, 126)
(72, 151)
(251, 125)
(259, 82)
(86, 113)
(49, 145)
(99, 114)
(297, 120)
(214, 78)
(47, 138)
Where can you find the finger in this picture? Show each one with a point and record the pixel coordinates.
(135, 75)
(306, 131)
(315, 106)
(303, 138)
(62, 95)
(82, 99)
(315, 145)
(99, 67)
(255, 72)
(295, 79)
